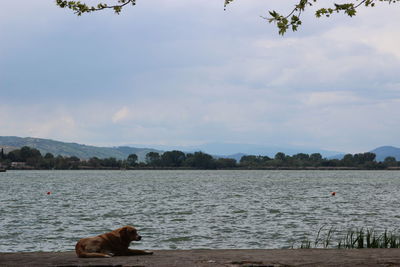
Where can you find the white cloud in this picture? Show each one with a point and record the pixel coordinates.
(53, 126)
(37, 121)
(188, 72)
(121, 115)
(336, 98)
(376, 28)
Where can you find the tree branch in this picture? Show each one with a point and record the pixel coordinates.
(79, 8)
(292, 20)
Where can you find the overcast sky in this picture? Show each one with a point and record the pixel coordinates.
(186, 72)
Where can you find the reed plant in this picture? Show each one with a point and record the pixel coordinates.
(358, 238)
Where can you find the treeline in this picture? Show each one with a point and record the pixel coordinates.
(309, 161)
(31, 158)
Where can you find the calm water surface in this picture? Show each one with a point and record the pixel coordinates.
(192, 209)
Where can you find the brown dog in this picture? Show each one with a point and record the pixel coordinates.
(110, 244)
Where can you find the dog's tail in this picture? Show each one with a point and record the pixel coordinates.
(81, 253)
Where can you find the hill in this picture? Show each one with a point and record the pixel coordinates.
(386, 151)
(235, 150)
(72, 149)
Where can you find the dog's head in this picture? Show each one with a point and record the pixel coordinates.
(129, 233)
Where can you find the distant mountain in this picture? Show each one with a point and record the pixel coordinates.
(231, 149)
(337, 156)
(380, 152)
(236, 156)
(72, 149)
(386, 151)
(228, 150)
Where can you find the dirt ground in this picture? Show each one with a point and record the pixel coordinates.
(216, 258)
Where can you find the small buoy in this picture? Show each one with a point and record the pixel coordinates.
(48, 193)
(333, 193)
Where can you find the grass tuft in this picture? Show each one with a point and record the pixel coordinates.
(358, 238)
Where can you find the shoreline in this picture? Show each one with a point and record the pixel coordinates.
(215, 258)
(223, 169)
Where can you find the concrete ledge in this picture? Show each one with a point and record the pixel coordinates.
(216, 258)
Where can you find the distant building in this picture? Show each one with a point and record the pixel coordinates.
(18, 165)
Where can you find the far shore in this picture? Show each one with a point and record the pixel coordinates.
(216, 258)
(224, 169)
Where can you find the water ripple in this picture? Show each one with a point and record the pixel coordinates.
(191, 209)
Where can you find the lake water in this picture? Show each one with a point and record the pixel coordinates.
(192, 209)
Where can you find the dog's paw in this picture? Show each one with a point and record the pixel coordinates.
(108, 254)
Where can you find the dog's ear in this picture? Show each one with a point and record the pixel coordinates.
(123, 231)
(124, 235)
